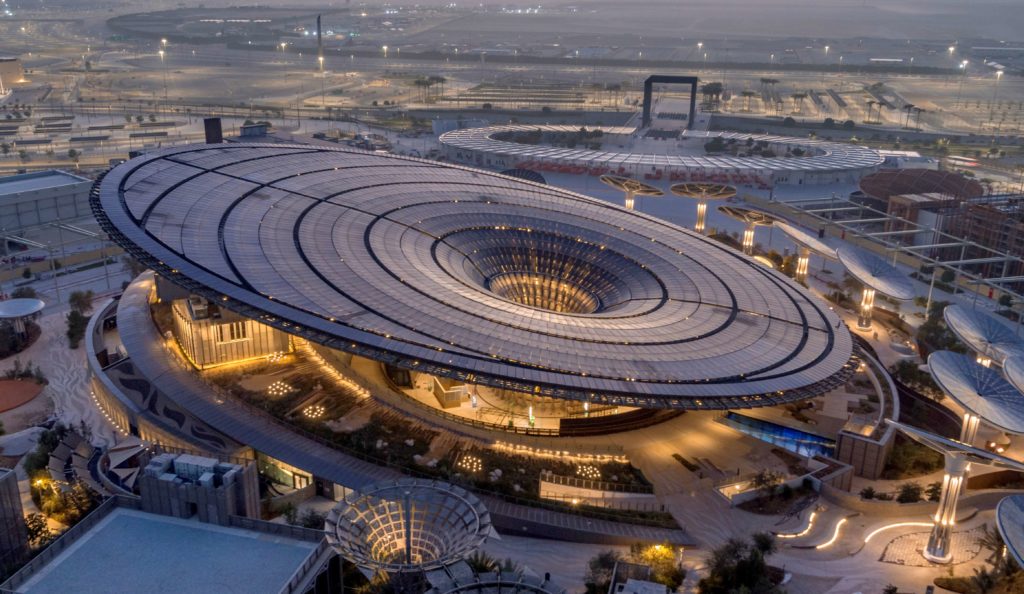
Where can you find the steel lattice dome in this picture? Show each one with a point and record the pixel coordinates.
(408, 524)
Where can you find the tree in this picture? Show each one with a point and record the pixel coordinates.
(76, 327)
(81, 301)
(26, 273)
(788, 122)
(481, 562)
(934, 491)
(909, 493)
(867, 493)
(661, 558)
(765, 481)
(736, 566)
(24, 293)
(764, 542)
(39, 533)
(599, 571)
(890, 589)
(74, 155)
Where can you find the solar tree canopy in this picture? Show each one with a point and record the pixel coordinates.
(981, 390)
(630, 185)
(876, 273)
(704, 191)
(749, 215)
(408, 524)
(20, 308)
(983, 332)
(1010, 521)
(953, 447)
(1013, 369)
(474, 276)
(807, 239)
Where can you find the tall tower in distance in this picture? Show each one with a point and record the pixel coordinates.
(319, 42)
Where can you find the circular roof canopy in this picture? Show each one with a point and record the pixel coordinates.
(876, 273)
(20, 308)
(953, 447)
(408, 524)
(1013, 369)
(895, 182)
(1010, 521)
(980, 390)
(474, 276)
(633, 186)
(703, 191)
(805, 238)
(983, 332)
(749, 215)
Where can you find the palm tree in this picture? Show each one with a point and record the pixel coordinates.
(983, 581)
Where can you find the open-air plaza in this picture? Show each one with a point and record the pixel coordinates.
(499, 298)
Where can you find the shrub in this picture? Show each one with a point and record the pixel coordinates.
(909, 493)
(867, 493)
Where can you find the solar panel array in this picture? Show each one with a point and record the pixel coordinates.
(397, 259)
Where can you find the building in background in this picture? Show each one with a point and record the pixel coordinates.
(11, 72)
(13, 535)
(41, 198)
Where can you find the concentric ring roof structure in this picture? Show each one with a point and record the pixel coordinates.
(826, 156)
(1010, 521)
(876, 273)
(474, 276)
(408, 524)
(980, 390)
(983, 333)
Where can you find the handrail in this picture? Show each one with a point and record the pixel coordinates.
(594, 484)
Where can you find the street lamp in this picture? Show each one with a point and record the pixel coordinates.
(385, 48)
(951, 50)
(164, 68)
(995, 90)
(700, 45)
(771, 59)
(320, 59)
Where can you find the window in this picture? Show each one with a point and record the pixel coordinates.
(232, 332)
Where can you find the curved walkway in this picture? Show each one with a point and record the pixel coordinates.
(265, 434)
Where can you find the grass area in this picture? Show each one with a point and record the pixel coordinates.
(782, 502)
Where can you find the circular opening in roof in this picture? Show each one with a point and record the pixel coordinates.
(544, 291)
(558, 273)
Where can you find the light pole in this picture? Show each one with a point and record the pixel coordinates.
(960, 89)
(385, 48)
(163, 66)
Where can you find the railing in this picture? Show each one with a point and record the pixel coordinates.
(594, 485)
(633, 505)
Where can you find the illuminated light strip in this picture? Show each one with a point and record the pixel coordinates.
(835, 536)
(810, 525)
(868, 538)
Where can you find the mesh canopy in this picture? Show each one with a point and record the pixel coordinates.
(409, 524)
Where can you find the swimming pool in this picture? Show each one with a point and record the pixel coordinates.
(794, 440)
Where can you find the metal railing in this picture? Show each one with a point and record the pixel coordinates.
(594, 484)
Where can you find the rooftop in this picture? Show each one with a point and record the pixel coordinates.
(133, 551)
(474, 276)
(40, 180)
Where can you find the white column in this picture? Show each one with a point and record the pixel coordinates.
(702, 211)
(938, 549)
(748, 240)
(867, 306)
(803, 260)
